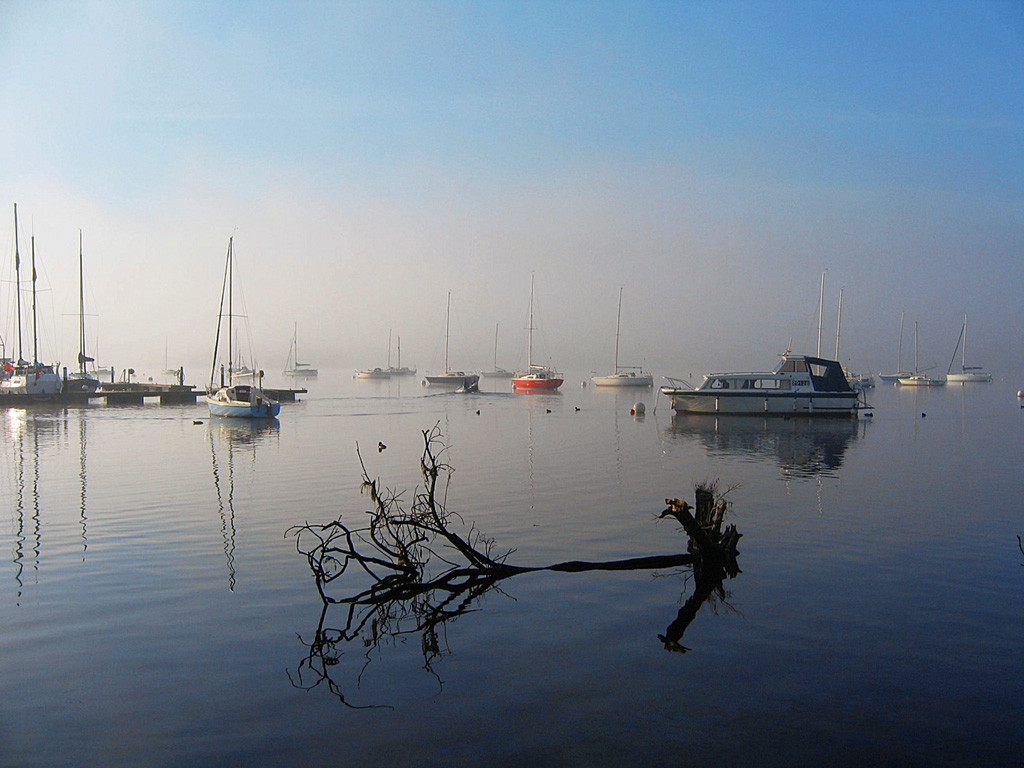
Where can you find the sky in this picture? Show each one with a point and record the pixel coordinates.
(712, 159)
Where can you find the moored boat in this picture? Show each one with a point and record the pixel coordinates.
(292, 366)
(399, 370)
(800, 385)
(967, 373)
(242, 401)
(33, 380)
(236, 400)
(496, 372)
(918, 378)
(450, 378)
(625, 375)
(373, 373)
(900, 372)
(81, 380)
(536, 377)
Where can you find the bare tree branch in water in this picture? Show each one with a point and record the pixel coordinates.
(410, 572)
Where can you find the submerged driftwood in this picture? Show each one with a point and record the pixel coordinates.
(412, 570)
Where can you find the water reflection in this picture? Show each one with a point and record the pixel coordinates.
(802, 448)
(27, 436)
(409, 569)
(235, 437)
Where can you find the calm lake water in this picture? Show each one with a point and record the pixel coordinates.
(154, 609)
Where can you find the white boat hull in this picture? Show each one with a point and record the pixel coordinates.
(624, 380)
(42, 381)
(959, 378)
(242, 402)
(452, 379)
(788, 404)
(921, 380)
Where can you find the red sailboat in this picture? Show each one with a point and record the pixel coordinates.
(535, 376)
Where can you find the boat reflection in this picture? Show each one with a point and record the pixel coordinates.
(803, 448)
(228, 438)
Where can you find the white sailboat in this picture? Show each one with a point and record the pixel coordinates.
(21, 377)
(625, 375)
(917, 378)
(399, 370)
(292, 366)
(377, 373)
(967, 372)
(451, 378)
(900, 373)
(496, 372)
(235, 400)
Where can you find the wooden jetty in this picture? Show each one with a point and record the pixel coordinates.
(133, 393)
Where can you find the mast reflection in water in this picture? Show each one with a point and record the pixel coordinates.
(233, 436)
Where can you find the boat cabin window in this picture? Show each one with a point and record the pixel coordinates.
(818, 370)
(793, 366)
(771, 384)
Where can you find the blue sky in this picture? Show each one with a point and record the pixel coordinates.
(712, 158)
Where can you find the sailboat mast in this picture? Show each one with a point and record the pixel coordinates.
(899, 347)
(963, 358)
(529, 344)
(447, 327)
(17, 283)
(917, 366)
(81, 311)
(35, 326)
(230, 307)
(220, 319)
(962, 339)
(821, 299)
(839, 321)
(495, 346)
(618, 317)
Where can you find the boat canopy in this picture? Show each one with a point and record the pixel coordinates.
(826, 375)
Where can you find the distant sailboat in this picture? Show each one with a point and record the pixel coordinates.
(451, 378)
(235, 400)
(535, 376)
(625, 375)
(496, 372)
(377, 373)
(967, 372)
(292, 366)
(81, 380)
(900, 373)
(917, 378)
(399, 370)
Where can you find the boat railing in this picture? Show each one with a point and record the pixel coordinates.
(677, 383)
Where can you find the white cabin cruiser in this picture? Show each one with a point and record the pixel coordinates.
(800, 385)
